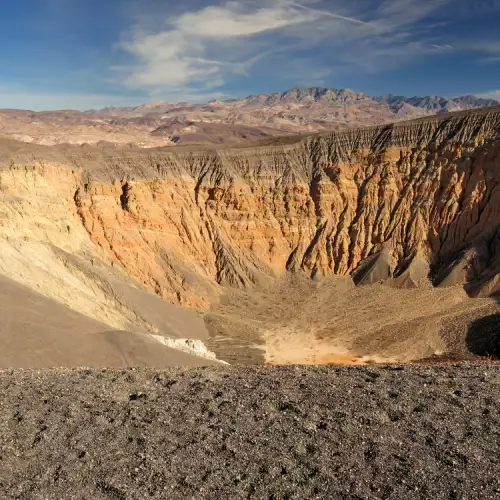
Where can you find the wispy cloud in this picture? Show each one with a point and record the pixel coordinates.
(491, 94)
(327, 13)
(489, 47)
(200, 48)
(199, 51)
(487, 51)
(446, 46)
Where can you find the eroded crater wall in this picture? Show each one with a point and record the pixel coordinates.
(186, 223)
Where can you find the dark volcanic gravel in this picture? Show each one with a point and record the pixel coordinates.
(426, 432)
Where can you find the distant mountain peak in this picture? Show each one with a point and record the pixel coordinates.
(436, 103)
(294, 111)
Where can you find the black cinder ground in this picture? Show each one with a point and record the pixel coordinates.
(264, 432)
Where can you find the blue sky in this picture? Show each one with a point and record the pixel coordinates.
(86, 54)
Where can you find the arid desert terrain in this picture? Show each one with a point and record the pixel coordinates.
(132, 278)
(223, 122)
(376, 244)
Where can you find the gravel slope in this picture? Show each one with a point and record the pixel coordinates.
(237, 432)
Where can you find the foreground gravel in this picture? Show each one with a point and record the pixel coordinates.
(271, 433)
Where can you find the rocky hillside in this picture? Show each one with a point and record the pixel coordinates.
(398, 204)
(434, 104)
(297, 111)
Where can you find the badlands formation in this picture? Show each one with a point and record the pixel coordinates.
(364, 245)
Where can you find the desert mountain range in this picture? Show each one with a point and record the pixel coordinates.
(260, 117)
(368, 244)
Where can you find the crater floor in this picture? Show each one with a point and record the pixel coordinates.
(297, 320)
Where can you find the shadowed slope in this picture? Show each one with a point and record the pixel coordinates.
(483, 337)
(37, 332)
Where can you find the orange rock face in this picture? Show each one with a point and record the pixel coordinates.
(183, 224)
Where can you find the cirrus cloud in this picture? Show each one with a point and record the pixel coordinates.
(198, 51)
(184, 53)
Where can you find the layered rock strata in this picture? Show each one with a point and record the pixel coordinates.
(367, 203)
